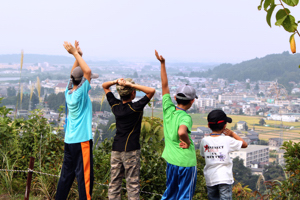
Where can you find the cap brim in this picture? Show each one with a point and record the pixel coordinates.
(229, 120)
(94, 75)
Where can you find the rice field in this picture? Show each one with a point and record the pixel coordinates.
(265, 132)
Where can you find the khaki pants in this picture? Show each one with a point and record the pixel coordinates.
(128, 164)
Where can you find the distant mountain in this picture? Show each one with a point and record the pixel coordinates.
(283, 67)
(52, 59)
(268, 68)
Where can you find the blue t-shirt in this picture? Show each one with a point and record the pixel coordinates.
(79, 125)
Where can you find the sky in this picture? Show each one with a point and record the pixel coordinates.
(182, 31)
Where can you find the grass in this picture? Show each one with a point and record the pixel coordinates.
(265, 133)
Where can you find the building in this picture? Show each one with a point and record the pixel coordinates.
(241, 125)
(275, 142)
(205, 102)
(60, 87)
(203, 131)
(253, 137)
(252, 155)
(223, 98)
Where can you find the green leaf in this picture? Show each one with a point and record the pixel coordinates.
(161, 134)
(112, 126)
(269, 14)
(156, 129)
(281, 16)
(147, 138)
(266, 4)
(146, 126)
(260, 5)
(299, 66)
(289, 24)
(291, 2)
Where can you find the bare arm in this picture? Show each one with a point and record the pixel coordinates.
(148, 90)
(163, 74)
(235, 136)
(106, 85)
(184, 137)
(80, 53)
(85, 68)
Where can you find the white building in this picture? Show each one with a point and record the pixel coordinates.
(252, 154)
(205, 102)
(230, 97)
(284, 117)
(60, 87)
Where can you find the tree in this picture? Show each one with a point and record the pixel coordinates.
(288, 188)
(256, 87)
(248, 86)
(241, 112)
(96, 91)
(56, 100)
(273, 172)
(262, 122)
(243, 174)
(283, 17)
(135, 75)
(11, 92)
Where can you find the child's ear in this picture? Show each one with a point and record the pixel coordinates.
(175, 97)
(224, 126)
(192, 101)
(208, 125)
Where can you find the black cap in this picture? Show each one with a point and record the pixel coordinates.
(217, 117)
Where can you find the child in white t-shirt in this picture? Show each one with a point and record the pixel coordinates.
(215, 149)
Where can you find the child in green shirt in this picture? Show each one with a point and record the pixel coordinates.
(179, 149)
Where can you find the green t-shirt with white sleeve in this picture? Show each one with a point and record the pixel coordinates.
(173, 118)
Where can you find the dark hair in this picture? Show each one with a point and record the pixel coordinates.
(217, 127)
(181, 101)
(126, 97)
(74, 81)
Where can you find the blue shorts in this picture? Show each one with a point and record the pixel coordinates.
(181, 182)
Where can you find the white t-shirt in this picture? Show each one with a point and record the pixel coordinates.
(218, 165)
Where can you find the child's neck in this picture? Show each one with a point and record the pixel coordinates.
(129, 100)
(183, 107)
(216, 133)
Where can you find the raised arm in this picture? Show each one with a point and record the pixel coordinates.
(163, 74)
(80, 53)
(148, 90)
(106, 85)
(235, 136)
(85, 68)
(184, 137)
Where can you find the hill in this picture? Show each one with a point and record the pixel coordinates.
(283, 67)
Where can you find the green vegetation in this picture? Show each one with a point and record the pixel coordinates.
(282, 67)
(20, 139)
(243, 174)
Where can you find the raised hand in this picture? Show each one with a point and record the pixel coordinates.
(183, 144)
(78, 48)
(159, 57)
(120, 81)
(69, 47)
(228, 132)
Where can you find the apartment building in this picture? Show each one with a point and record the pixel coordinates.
(205, 102)
(252, 154)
